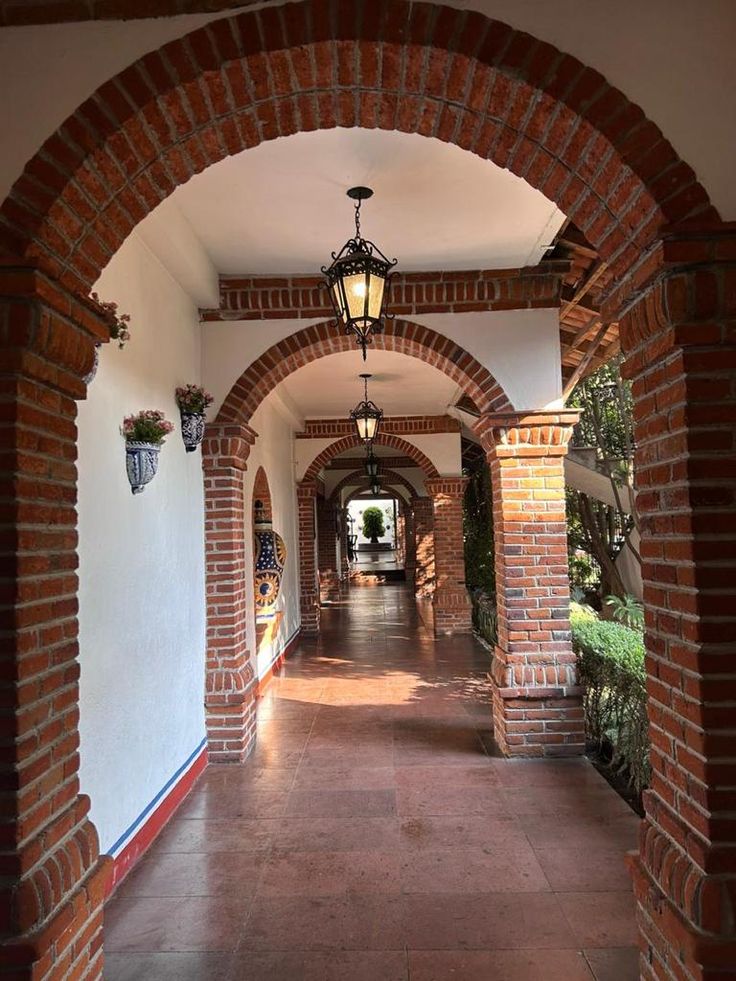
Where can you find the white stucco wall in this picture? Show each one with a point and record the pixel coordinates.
(141, 594)
(273, 450)
(48, 71)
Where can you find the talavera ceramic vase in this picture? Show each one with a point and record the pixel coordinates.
(192, 429)
(270, 556)
(141, 463)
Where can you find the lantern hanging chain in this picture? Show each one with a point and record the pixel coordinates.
(357, 218)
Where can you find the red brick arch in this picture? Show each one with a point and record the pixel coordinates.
(455, 75)
(383, 439)
(390, 475)
(312, 343)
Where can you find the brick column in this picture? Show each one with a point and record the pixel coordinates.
(52, 880)
(401, 534)
(230, 687)
(680, 344)
(328, 546)
(537, 705)
(306, 493)
(452, 608)
(424, 547)
(410, 548)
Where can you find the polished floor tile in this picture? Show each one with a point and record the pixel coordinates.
(376, 834)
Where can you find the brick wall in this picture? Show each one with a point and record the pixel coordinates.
(398, 425)
(306, 493)
(536, 699)
(424, 575)
(230, 691)
(451, 603)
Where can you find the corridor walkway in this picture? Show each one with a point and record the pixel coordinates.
(373, 835)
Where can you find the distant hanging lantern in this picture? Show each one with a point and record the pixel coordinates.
(358, 281)
(366, 415)
(376, 487)
(371, 464)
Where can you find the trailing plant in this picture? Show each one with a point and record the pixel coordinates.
(193, 399)
(147, 426)
(626, 610)
(611, 666)
(373, 526)
(117, 323)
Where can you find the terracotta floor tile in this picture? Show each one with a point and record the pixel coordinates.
(336, 834)
(487, 921)
(354, 922)
(572, 869)
(495, 868)
(614, 963)
(168, 967)
(363, 965)
(341, 803)
(196, 874)
(292, 873)
(215, 835)
(498, 965)
(601, 919)
(438, 799)
(213, 923)
(233, 802)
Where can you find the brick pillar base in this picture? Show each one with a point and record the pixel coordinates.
(230, 677)
(52, 879)
(451, 603)
(308, 581)
(537, 702)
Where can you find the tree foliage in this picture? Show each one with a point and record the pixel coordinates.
(480, 568)
(373, 526)
(598, 530)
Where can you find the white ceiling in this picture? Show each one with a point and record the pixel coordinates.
(281, 206)
(401, 385)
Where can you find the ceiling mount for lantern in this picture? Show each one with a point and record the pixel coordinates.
(358, 281)
(366, 415)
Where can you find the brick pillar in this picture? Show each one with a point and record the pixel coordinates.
(401, 534)
(452, 608)
(230, 688)
(680, 344)
(410, 544)
(328, 545)
(424, 547)
(537, 705)
(343, 547)
(52, 880)
(306, 493)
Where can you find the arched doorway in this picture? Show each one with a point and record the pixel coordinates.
(580, 142)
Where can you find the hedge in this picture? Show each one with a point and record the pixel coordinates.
(611, 666)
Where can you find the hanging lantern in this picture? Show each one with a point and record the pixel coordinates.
(358, 281)
(371, 464)
(376, 487)
(366, 416)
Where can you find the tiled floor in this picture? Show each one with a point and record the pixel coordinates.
(373, 836)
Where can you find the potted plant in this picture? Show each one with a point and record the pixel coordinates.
(144, 433)
(192, 400)
(373, 526)
(117, 324)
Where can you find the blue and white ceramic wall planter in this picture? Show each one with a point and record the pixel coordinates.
(270, 557)
(192, 429)
(193, 401)
(144, 433)
(141, 463)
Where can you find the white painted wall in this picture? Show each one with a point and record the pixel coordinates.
(273, 450)
(48, 71)
(141, 595)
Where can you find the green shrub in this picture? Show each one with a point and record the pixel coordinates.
(611, 666)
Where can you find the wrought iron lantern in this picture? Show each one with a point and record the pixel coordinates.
(376, 487)
(366, 416)
(358, 281)
(371, 464)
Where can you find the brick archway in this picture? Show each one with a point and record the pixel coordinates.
(358, 476)
(322, 340)
(383, 439)
(460, 77)
(451, 74)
